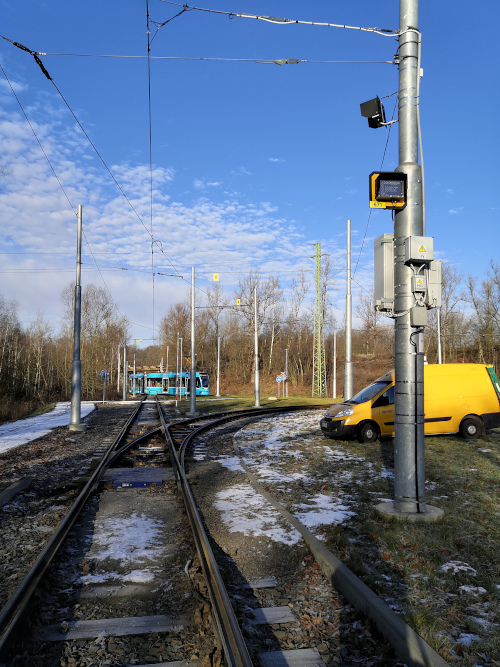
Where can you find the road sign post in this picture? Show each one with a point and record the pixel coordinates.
(278, 380)
(104, 375)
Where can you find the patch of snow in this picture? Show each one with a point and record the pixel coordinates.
(128, 539)
(246, 511)
(456, 566)
(139, 577)
(134, 577)
(24, 430)
(485, 624)
(230, 462)
(466, 639)
(268, 474)
(473, 590)
(322, 510)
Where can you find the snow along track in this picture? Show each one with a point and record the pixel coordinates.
(409, 647)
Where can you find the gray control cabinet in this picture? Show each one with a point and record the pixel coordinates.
(384, 273)
(427, 282)
(419, 249)
(433, 273)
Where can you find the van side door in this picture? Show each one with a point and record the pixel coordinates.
(383, 412)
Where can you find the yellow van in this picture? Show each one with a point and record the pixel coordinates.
(458, 398)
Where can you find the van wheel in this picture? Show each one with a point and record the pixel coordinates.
(368, 432)
(471, 427)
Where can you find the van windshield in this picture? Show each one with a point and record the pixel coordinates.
(368, 393)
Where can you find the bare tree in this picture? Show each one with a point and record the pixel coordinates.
(451, 280)
(372, 323)
(268, 293)
(485, 300)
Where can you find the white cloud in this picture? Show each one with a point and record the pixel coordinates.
(276, 159)
(229, 236)
(201, 184)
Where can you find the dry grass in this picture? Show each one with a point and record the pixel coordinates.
(244, 402)
(13, 410)
(407, 563)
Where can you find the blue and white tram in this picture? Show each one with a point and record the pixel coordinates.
(166, 383)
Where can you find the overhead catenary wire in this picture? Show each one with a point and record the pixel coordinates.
(283, 21)
(153, 240)
(149, 57)
(258, 61)
(45, 72)
(62, 188)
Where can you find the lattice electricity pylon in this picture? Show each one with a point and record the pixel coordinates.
(319, 365)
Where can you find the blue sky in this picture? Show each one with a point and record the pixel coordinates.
(252, 162)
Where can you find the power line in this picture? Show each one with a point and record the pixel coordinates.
(47, 75)
(283, 21)
(56, 176)
(258, 61)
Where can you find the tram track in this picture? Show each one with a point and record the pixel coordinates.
(239, 639)
(134, 434)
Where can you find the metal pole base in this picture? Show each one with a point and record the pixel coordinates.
(77, 427)
(193, 414)
(431, 513)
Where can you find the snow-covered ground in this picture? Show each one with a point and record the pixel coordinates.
(22, 431)
(277, 451)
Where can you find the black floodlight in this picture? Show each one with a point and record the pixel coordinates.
(374, 111)
(387, 189)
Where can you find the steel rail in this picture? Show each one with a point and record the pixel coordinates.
(223, 417)
(17, 604)
(233, 644)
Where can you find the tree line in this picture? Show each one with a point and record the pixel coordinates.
(35, 361)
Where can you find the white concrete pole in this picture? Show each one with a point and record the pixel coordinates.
(348, 381)
(218, 366)
(256, 340)
(192, 374)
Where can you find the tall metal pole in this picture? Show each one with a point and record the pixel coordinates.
(166, 369)
(180, 369)
(133, 383)
(256, 340)
(438, 313)
(218, 366)
(409, 473)
(348, 383)
(76, 364)
(334, 387)
(125, 368)
(192, 375)
(177, 371)
(318, 387)
(118, 374)
(286, 371)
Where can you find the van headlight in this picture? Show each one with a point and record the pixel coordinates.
(343, 413)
